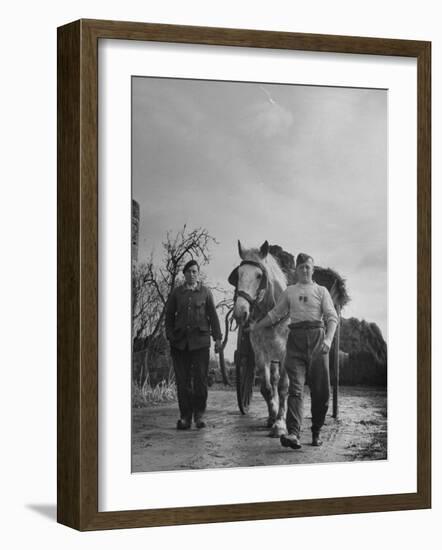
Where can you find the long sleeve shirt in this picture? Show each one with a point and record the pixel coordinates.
(306, 302)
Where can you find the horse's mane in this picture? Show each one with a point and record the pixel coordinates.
(286, 262)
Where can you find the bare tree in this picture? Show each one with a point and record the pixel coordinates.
(146, 303)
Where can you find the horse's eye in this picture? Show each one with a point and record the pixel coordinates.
(259, 275)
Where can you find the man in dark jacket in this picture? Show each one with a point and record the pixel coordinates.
(190, 320)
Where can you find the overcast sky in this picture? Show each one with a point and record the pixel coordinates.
(304, 167)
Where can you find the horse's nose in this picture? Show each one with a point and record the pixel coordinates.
(240, 315)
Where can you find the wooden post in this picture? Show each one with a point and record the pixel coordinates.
(336, 365)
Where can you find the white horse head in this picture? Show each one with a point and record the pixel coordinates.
(258, 280)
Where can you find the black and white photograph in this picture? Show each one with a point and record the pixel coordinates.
(259, 274)
(220, 234)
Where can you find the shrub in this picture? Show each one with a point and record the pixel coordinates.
(163, 392)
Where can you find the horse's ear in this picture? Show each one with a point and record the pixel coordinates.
(264, 250)
(233, 277)
(241, 254)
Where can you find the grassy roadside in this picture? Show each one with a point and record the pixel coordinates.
(147, 396)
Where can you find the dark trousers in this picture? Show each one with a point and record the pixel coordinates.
(305, 362)
(191, 369)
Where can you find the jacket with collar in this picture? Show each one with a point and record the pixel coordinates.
(191, 318)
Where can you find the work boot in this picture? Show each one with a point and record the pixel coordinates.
(199, 422)
(316, 440)
(183, 424)
(290, 440)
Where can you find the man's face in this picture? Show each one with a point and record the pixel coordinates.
(191, 275)
(305, 272)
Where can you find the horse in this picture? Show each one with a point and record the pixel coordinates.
(259, 281)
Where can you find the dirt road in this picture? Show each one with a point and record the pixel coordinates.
(233, 440)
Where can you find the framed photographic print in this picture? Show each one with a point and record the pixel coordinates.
(243, 274)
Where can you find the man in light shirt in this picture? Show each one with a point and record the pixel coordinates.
(309, 306)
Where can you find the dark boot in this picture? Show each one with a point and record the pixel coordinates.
(316, 440)
(183, 424)
(199, 421)
(290, 440)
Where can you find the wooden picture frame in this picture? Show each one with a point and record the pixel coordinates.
(77, 223)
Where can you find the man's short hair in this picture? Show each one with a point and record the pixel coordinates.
(189, 264)
(302, 258)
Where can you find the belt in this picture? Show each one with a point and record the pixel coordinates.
(306, 325)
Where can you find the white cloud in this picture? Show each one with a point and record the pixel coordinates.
(267, 120)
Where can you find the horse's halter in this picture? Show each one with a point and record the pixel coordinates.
(233, 280)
